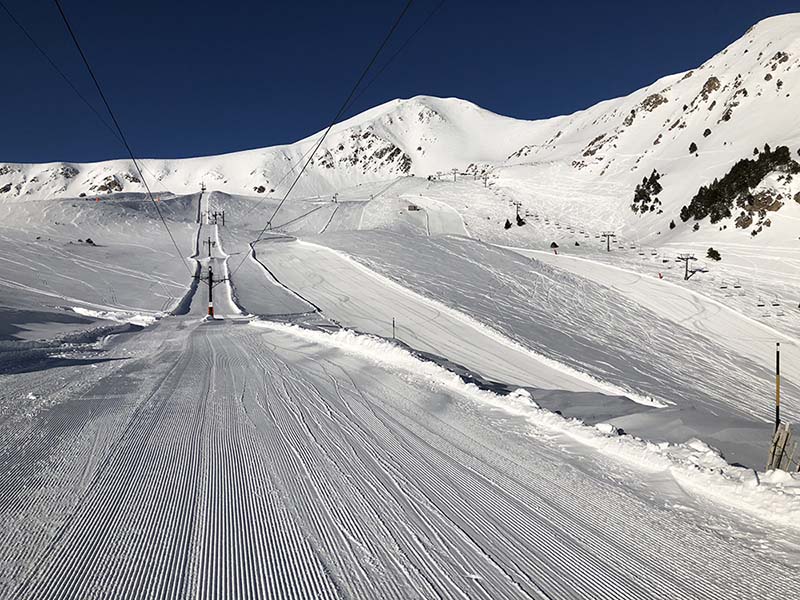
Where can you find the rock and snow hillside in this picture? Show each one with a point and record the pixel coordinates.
(586, 165)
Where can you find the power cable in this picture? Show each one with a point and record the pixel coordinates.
(121, 134)
(57, 69)
(332, 123)
(399, 51)
(66, 79)
(364, 89)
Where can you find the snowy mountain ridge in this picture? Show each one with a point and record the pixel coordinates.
(733, 104)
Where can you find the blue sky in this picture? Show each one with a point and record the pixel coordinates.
(202, 77)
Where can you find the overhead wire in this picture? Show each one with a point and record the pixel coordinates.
(399, 50)
(121, 134)
(330, 126)
(66, 79)
(351, 99)
(56, 68)
(365, 88)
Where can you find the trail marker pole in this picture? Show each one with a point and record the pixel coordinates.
(393, 328)
(777, 385)
(455, 172)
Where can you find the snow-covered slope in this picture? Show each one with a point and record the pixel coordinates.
(738, 101)
(401, 137)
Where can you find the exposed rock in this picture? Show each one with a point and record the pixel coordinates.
(110, 184)
(710, 86)
(595, 145)
(67, 171)
(653, 101)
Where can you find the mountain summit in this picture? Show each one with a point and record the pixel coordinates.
(683, 132)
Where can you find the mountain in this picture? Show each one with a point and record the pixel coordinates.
(668, 139)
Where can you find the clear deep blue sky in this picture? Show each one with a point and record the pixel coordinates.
(202, 77)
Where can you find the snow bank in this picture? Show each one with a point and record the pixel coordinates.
(698, 468)
(140, 319)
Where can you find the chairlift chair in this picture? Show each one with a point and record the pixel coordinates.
(760, 303)
(775, 301)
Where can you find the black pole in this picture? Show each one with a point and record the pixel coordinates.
(210, 292)
(777, 385)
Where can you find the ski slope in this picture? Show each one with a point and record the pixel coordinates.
(541, 426)
(357, 298)
(335, 477)
(705, 316)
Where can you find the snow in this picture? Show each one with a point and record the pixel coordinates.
(579, 425)
(697, 466)
(120, 317)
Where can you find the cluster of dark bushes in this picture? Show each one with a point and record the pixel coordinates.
(718, 199)
(645, 197)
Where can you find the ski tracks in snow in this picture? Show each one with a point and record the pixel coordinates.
(254, 464)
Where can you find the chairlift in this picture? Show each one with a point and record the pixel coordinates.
(633, 246)
(760, 303)
(653, 252)
(664, 260)
(737, 285)
(775, 301)
(724, 285)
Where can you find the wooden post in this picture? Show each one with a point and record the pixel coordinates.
(777, 449)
